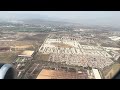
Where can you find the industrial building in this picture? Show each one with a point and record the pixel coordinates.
(115, 38)
(27, 53)
(96, 74)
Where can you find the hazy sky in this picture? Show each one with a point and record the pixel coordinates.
(83, 17)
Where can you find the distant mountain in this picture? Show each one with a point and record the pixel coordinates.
(56, 22)
(16, 22)
(44, 21)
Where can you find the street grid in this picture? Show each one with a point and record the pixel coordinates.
(75, 53)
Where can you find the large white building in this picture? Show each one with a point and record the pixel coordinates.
(96, 74)
(27, 53)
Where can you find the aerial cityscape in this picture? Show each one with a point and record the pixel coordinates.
(51, 49)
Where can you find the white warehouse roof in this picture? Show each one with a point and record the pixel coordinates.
(96, 73)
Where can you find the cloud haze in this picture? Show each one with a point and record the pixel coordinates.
(84, 17)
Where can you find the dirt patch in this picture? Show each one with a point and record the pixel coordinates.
(62, 45)
(41, 57)
(45, 57)
(37, 37)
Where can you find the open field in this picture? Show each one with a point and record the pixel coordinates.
(41, 57)
(8, 57)
(111, 71)
(37, 37)
(45, 56)
(17, 43)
